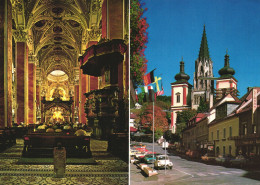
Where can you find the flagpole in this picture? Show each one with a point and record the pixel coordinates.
(153, 129)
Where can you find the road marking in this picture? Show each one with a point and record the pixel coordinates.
(183, 172)
(226, 173)
(201, 174)
(213, 173)
(235, 171)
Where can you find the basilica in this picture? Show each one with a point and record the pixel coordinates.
(64, 69)
(186, 96)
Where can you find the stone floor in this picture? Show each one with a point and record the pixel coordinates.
(109, 170)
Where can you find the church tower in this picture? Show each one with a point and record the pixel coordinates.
(203, 88)
(226, 83)
(180, 99)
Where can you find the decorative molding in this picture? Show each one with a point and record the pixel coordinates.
(96, 6)
(94, 34)
(20, 35)
(32, 59)
(18, 5)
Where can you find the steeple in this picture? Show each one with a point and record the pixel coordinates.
(182, 77)
(226, 71)
(204, 50)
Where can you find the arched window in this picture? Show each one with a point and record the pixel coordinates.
(178, 97)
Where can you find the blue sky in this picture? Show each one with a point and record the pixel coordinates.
(175, 31)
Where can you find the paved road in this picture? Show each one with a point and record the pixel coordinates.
(190, 172)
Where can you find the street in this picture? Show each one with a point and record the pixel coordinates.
(190, 172)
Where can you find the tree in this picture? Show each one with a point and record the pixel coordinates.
(183, 117)
(138, 39)
(203, 106)
(166, 99)
(168, 135)
(160, 120)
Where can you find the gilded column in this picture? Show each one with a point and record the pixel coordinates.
(6, 63)
(21, 58)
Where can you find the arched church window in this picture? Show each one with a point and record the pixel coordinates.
(178, 97)
(201, 83)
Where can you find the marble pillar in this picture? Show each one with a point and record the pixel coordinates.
(22, 81)
(31, 91)
(83, 89)
(115, 18)
(6, 63)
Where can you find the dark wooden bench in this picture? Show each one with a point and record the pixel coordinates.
(7, 137)
(44, 143)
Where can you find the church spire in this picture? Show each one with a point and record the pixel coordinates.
(204, 50)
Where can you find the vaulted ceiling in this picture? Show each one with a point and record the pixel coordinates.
(57, 31)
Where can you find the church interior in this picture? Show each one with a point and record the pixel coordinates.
(64, 88)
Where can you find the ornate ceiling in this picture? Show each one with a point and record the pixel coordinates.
(56, 31)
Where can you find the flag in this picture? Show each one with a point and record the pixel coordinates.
(149, 78)
(151, 93)
(156, 83)
(160, 92)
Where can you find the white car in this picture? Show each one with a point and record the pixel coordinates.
(162, 161)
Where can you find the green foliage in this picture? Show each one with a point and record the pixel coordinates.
(163, 105)
(180, 127)
(168, 135)
(166, 99)
(203, 106)
(157, 134)
(185, 115)
(138, 39)
(175, 138)
(141, 97)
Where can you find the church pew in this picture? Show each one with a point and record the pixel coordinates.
(45, 142)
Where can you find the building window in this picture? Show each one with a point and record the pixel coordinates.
(217, 134)
(224, 133)
(178, 97)
(254, 129)
(230, 131)
(217, 151)
(224, 150)
(230, 149)
(244, 129)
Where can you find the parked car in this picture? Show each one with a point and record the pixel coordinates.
(162, 161)
(240, 161)
(150, 158)
(137, 145)
(225, 159)
(208, 157)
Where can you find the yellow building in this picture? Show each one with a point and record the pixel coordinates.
(220, 133)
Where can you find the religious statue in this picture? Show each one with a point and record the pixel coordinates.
(38, 112)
